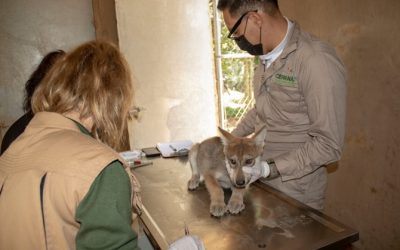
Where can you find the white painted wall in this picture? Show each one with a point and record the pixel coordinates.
(28, 31)
(168, 45)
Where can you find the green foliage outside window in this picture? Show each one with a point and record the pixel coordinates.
(237, 76)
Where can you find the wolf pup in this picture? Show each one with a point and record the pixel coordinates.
(220, 161)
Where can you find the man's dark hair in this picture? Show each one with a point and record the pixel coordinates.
(238, 7)
(38, 75)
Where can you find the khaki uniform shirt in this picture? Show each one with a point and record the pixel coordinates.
(301, 98)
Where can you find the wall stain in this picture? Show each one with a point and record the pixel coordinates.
(346, 35)
(361, 140)
(391, 185)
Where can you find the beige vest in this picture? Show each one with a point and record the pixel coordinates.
(52, 152)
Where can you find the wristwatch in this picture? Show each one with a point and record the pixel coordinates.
(273, 173)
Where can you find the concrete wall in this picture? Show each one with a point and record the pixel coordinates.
(364, 186)
(169, 47)
(28, 31)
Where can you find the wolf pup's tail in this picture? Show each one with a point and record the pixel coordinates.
(193, 158)
(193, 183)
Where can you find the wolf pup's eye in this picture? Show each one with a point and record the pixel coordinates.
(232, 161)
(249, 161)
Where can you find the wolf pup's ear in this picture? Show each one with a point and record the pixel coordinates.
(225, 136)
(259, 136)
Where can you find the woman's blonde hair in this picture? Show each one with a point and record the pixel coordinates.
(94, 80)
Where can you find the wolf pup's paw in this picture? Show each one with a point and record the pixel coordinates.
(193, 184)
(235, 207)
(218, 209)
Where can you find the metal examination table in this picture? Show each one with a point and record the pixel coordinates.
(271, 219)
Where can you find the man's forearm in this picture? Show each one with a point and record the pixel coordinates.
(246, 126)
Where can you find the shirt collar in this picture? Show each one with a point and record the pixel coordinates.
(56, 120)
(277, 51)
(81, 128)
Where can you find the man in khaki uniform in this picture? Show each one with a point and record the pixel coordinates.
(300, 95)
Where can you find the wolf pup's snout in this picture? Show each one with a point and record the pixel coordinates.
(241, 183)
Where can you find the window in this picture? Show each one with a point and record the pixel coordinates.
(234, 73)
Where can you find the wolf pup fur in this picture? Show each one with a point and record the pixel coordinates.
(219, 160)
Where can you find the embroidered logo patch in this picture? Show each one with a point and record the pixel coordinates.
(285, 80)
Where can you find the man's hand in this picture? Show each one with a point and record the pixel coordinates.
(257, 171)
(262, 170)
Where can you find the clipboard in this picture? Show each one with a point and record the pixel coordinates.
(175, 148)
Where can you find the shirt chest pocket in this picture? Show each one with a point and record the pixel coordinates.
(281, 104)
(285, 95)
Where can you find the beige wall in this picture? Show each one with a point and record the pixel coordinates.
(28, 31)
(364, 186)
(169, 47)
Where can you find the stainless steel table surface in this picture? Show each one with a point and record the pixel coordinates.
(270, 220)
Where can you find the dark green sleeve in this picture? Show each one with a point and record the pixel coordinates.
(105, 212)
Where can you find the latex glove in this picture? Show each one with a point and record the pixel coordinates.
(187, 242)
(261, 170)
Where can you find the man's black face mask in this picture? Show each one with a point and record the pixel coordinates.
(244, 44)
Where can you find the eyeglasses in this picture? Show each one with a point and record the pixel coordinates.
(238, 22)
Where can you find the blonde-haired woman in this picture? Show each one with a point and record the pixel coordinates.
(62, 183)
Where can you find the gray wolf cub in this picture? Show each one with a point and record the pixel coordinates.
(219, 160)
